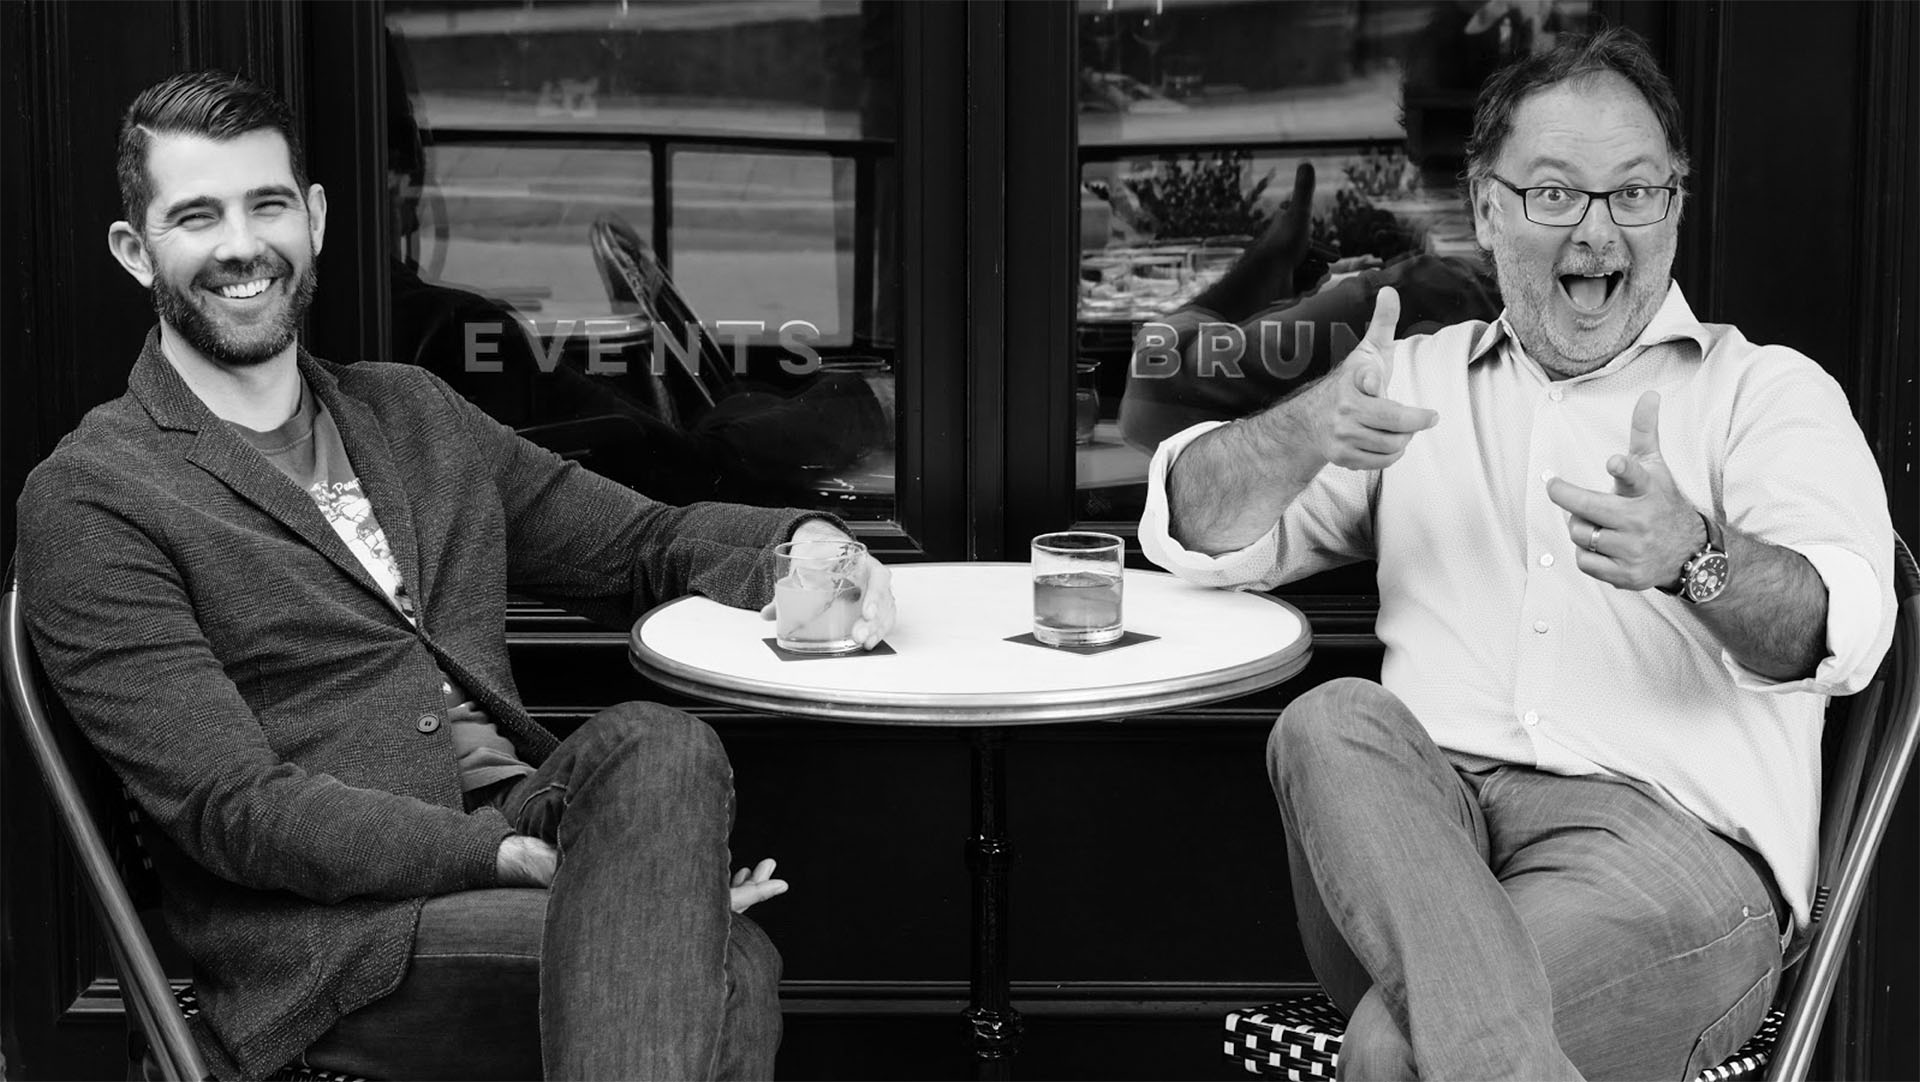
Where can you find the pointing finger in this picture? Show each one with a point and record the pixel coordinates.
(1593, 506)
(1372, 360)
(1386, 318)
(1644, 439)
(1387, 415)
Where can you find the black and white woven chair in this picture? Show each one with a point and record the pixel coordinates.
(1872, 739)
(1299, 1039)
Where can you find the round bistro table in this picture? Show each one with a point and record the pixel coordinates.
(956, 662)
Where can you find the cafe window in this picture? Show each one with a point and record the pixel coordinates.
(1194, 117)
(657, 237)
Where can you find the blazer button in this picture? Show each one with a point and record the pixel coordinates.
(427, 723)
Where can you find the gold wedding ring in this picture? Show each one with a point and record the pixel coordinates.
(1593, 540)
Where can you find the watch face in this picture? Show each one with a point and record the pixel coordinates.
(1706, 577)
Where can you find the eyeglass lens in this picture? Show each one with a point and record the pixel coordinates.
(1629, 206)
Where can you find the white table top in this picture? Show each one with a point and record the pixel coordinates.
(952, 664)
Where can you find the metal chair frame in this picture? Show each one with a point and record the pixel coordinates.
(1854, 822)
(143, 983)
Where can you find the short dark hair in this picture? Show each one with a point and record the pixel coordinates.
(214, 104)
(1615, 49)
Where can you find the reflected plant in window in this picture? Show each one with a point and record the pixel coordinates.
(1383, 174)
(1200, 196)
(1356, 227)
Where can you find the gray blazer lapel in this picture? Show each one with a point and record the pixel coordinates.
(373, 463)
(221, 452)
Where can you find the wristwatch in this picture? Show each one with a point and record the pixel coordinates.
(1706, 573)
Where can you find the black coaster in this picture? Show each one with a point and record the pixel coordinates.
(795, 655)
(1127, 638)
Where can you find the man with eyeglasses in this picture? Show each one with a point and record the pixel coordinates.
(1624, 558)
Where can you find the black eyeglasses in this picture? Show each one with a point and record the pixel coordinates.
(1638, 204)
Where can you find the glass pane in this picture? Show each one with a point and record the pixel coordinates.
(655, 237)
(1201, 300)
(766, 239)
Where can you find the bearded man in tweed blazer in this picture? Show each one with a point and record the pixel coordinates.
(272, 590)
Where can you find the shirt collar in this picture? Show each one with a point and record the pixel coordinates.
(1674, 322)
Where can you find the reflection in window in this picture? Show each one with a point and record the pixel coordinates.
(654, 236)
(1196, 117)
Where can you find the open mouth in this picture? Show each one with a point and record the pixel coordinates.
(1590, 292)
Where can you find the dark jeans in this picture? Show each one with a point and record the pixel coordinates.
(631, 966)
(1509, 923)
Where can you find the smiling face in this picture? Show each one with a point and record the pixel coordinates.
(1577, 296)
(228, 245)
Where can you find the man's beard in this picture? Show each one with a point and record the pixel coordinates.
(1529, 298)
(204, 333)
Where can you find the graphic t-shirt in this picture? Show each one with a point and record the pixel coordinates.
(307, 448)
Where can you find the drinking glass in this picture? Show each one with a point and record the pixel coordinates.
(1086, 400)
(1076, 588)
(816, 595)
(1153, 31)
(1103, 32)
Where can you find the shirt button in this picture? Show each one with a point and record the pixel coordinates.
(1555, 394)
(1546, 559)
(1540, 626)
(1531, 718)
(427, 723)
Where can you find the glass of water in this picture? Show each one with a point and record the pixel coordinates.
(1076, 588)
(816, 595)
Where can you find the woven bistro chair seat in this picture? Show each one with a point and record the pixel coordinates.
(1299, 1039)
(189, 1002)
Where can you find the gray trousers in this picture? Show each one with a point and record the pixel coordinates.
(1509, 923)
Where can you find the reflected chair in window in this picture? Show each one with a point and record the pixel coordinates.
(1870, 742)
(90, 809)
(768, 439)
(696, 374)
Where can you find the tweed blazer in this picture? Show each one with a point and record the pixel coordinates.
(272, 713)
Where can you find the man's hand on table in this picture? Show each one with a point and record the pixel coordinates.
(754, 885)
(876, 586)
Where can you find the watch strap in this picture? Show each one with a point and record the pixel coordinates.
(1678, 588)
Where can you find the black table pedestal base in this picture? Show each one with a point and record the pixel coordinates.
(994, 1026)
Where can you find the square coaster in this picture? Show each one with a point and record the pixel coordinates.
(795, 655)
(1127, 638)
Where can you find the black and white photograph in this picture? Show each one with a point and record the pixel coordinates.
(960, 539)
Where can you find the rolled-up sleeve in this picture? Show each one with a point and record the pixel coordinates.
(1799, 475)
(1860, 619)
(1247, 567)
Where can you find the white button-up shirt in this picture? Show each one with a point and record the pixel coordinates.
(1507, 652)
